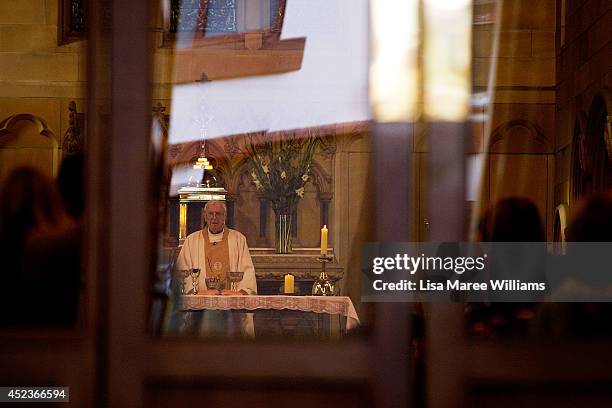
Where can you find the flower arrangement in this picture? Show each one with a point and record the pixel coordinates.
(281, 168)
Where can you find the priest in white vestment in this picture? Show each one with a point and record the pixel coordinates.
(216, 250)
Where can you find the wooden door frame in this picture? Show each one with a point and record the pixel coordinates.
(132, 359)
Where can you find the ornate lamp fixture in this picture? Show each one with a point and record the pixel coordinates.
(206, 188)
(203, 163)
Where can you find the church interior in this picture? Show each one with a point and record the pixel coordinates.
(321, 126)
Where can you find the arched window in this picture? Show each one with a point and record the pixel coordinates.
(592, 151)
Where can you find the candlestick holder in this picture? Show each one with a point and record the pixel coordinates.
(323, 286)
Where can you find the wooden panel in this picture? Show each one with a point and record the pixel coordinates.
(235, 59)
(53, 358)
(529, 396)
(275, 393)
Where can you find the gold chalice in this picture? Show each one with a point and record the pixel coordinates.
(195, 274)
(184, 274)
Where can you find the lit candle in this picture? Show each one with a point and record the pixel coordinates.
(324, 240)
(289, 283)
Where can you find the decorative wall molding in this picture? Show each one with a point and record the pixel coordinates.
(74, 138)
(35, 138)
(519, 136)
(8, 124)
(210, 60)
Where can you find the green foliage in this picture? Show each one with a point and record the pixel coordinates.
(280, 169)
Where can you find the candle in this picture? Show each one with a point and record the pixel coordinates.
(324, 240)
(289, 283)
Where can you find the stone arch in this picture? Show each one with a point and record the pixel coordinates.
(322, 181)
(518, 136)
(8, 125)
(592, 149)
(27, 139)
(578, 176)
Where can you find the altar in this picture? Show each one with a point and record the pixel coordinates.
(324, 317)
(303, 264)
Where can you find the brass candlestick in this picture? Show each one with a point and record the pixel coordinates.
(323, 286)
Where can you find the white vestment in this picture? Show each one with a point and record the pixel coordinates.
(193, 255)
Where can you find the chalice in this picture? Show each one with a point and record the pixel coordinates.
(184, 275)
(195, 274)
(235, 278)
(212, 282)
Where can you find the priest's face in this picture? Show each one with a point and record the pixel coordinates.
(215, 217)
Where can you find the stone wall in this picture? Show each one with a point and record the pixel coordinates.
(37, 76)
(521, 137)
(584, 66)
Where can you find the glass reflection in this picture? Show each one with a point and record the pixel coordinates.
(277, 162)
